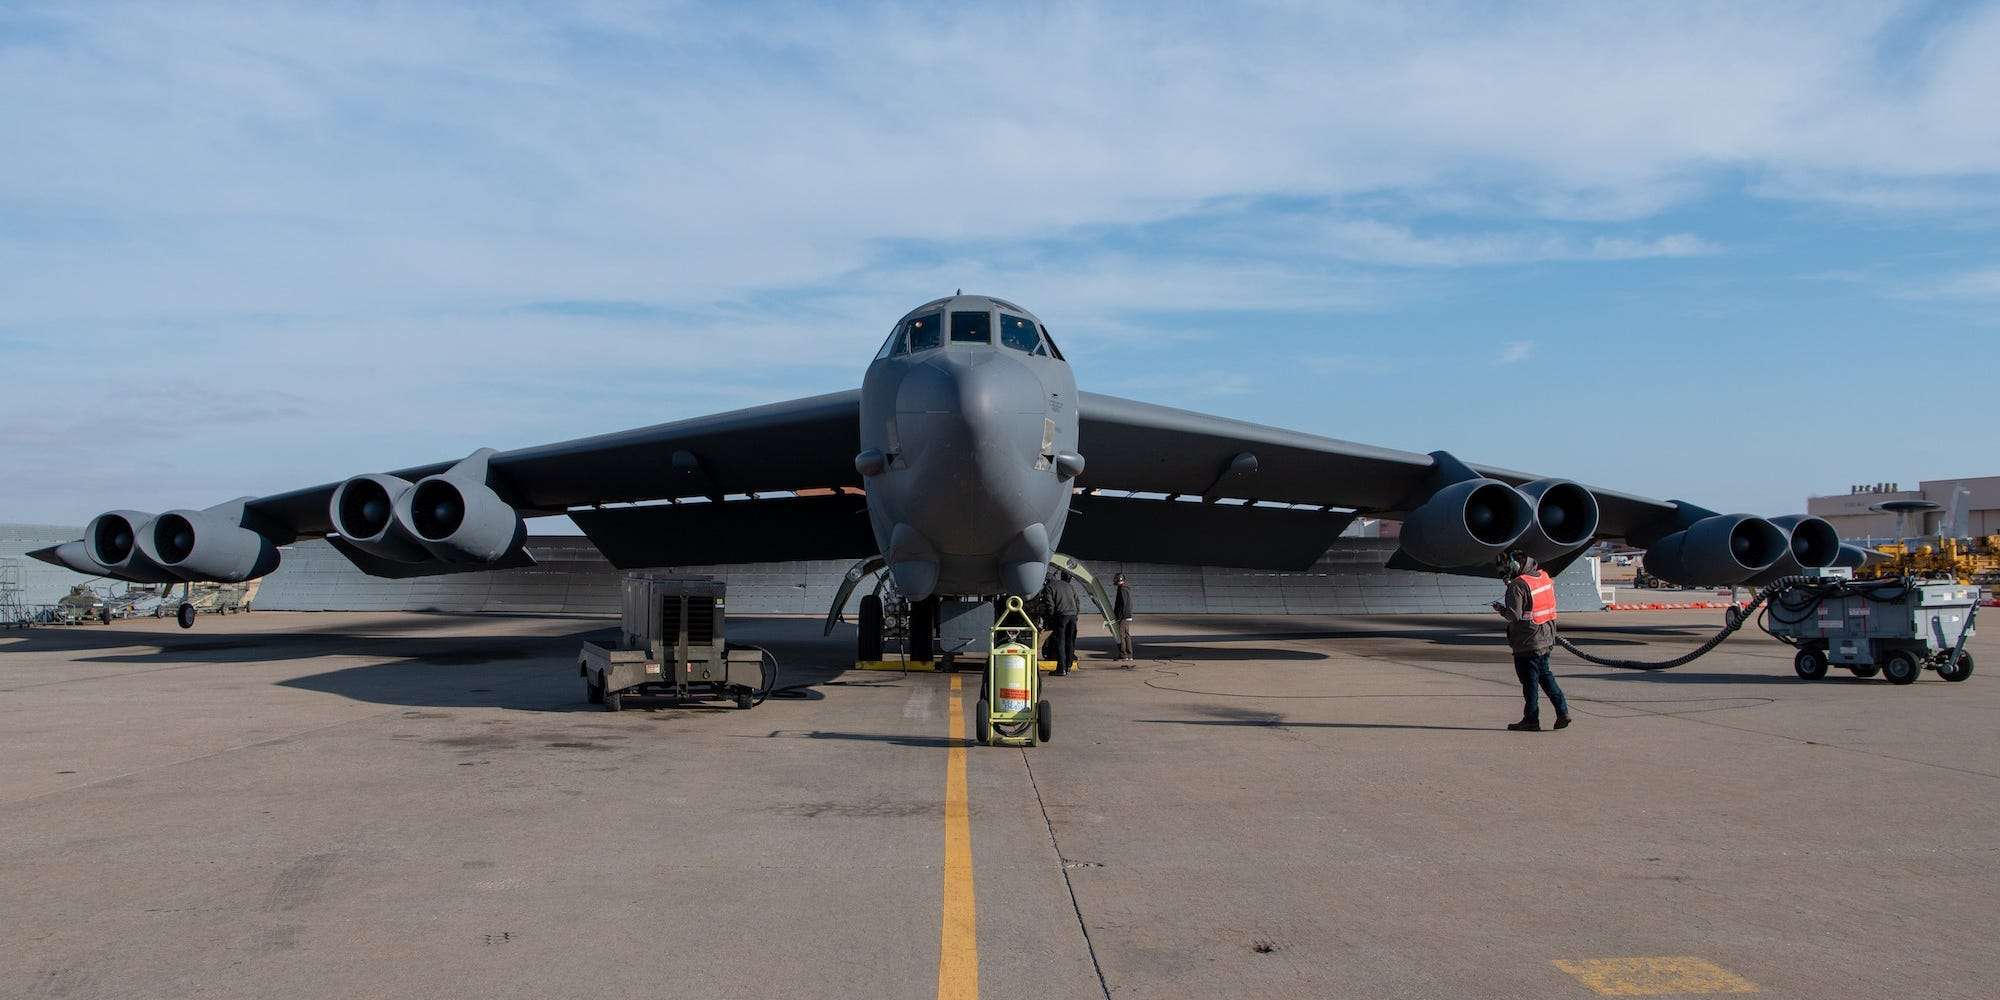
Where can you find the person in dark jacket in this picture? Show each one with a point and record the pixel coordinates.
(1530, 610)
(1061, 599)
(1121, 611)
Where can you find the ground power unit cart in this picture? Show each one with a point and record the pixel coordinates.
(1897, 627)
(672, 645)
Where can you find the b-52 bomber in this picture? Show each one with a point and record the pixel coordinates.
(964, 464)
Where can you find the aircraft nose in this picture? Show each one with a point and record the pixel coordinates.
(976, 386)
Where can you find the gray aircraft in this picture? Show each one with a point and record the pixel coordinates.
(964, 455)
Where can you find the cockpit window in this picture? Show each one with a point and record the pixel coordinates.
(971, 327)
(1053, 349)
(1018, 333)
(926, 331)
(894, 345)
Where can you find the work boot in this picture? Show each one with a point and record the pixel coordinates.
(1524, 726)
(1562, 722)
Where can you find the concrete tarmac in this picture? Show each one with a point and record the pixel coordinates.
(347, 805)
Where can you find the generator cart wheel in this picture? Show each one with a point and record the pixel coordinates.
(979, 731)
(1810, 663)
(1044, 725)
(743, 699)
(869, 646)
(593, 692)
(1902, 668)
(185, 615)
(613, 701)
(1957, 671)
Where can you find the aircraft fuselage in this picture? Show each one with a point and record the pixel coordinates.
(969, 448)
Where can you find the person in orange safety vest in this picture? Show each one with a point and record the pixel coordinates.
(1530, 610)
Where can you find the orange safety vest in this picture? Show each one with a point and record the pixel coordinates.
(1541, 597)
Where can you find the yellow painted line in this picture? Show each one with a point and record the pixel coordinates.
(1651, 976)
(958, 951)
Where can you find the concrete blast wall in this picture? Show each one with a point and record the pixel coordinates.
(572, 578)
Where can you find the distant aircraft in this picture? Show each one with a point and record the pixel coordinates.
(964, 455)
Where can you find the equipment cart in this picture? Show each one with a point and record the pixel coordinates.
(672, 645)
(1898, 627)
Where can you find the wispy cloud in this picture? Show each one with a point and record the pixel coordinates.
(1515, 351)
(393, 214)
(1976, 285)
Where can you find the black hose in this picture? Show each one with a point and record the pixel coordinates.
(1776, 589)
(770, 688)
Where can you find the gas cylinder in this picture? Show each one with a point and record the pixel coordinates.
(1013, 685)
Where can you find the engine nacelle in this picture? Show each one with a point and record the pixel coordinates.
(1565, 518)
(111, 541)
(1811, 543)
(363, 512)
(1466, 523)
(459, 520)
(1723, 549)
(207, 546)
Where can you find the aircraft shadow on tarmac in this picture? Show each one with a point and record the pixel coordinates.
(1294, 724)
(1251, 718)
(520, 672)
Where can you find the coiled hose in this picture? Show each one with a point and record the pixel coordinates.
(1736, 622)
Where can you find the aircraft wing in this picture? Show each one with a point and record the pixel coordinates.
(1233, 466)
(804, 444)
(1145, 448)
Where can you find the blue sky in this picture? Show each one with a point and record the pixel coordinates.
(246, 251)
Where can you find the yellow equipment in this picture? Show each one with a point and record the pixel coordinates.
(1010, 710)
(1977, 562)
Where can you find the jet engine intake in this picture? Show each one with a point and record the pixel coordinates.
(206, 546)
(363, 512)
(1722, 549)
(1565, 518)
(459, 520)
(111, 541)
(1810, 543)
(1466, 523)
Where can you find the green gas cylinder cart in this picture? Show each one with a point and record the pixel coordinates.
(1010, 711)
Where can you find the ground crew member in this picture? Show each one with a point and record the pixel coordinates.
(1530, 610)
(1062, 618)
(1121, 611)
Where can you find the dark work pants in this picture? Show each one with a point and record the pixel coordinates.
(1125, 639)
(1533, 669)
(1062, 634)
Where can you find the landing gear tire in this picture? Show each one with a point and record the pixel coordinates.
(868, 647)
(923, 629)
(1902, 668)
(1044, 724)
(979, 730)
(1957, 671)
(1866, 670)
(1810, 664)
(185, 616)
